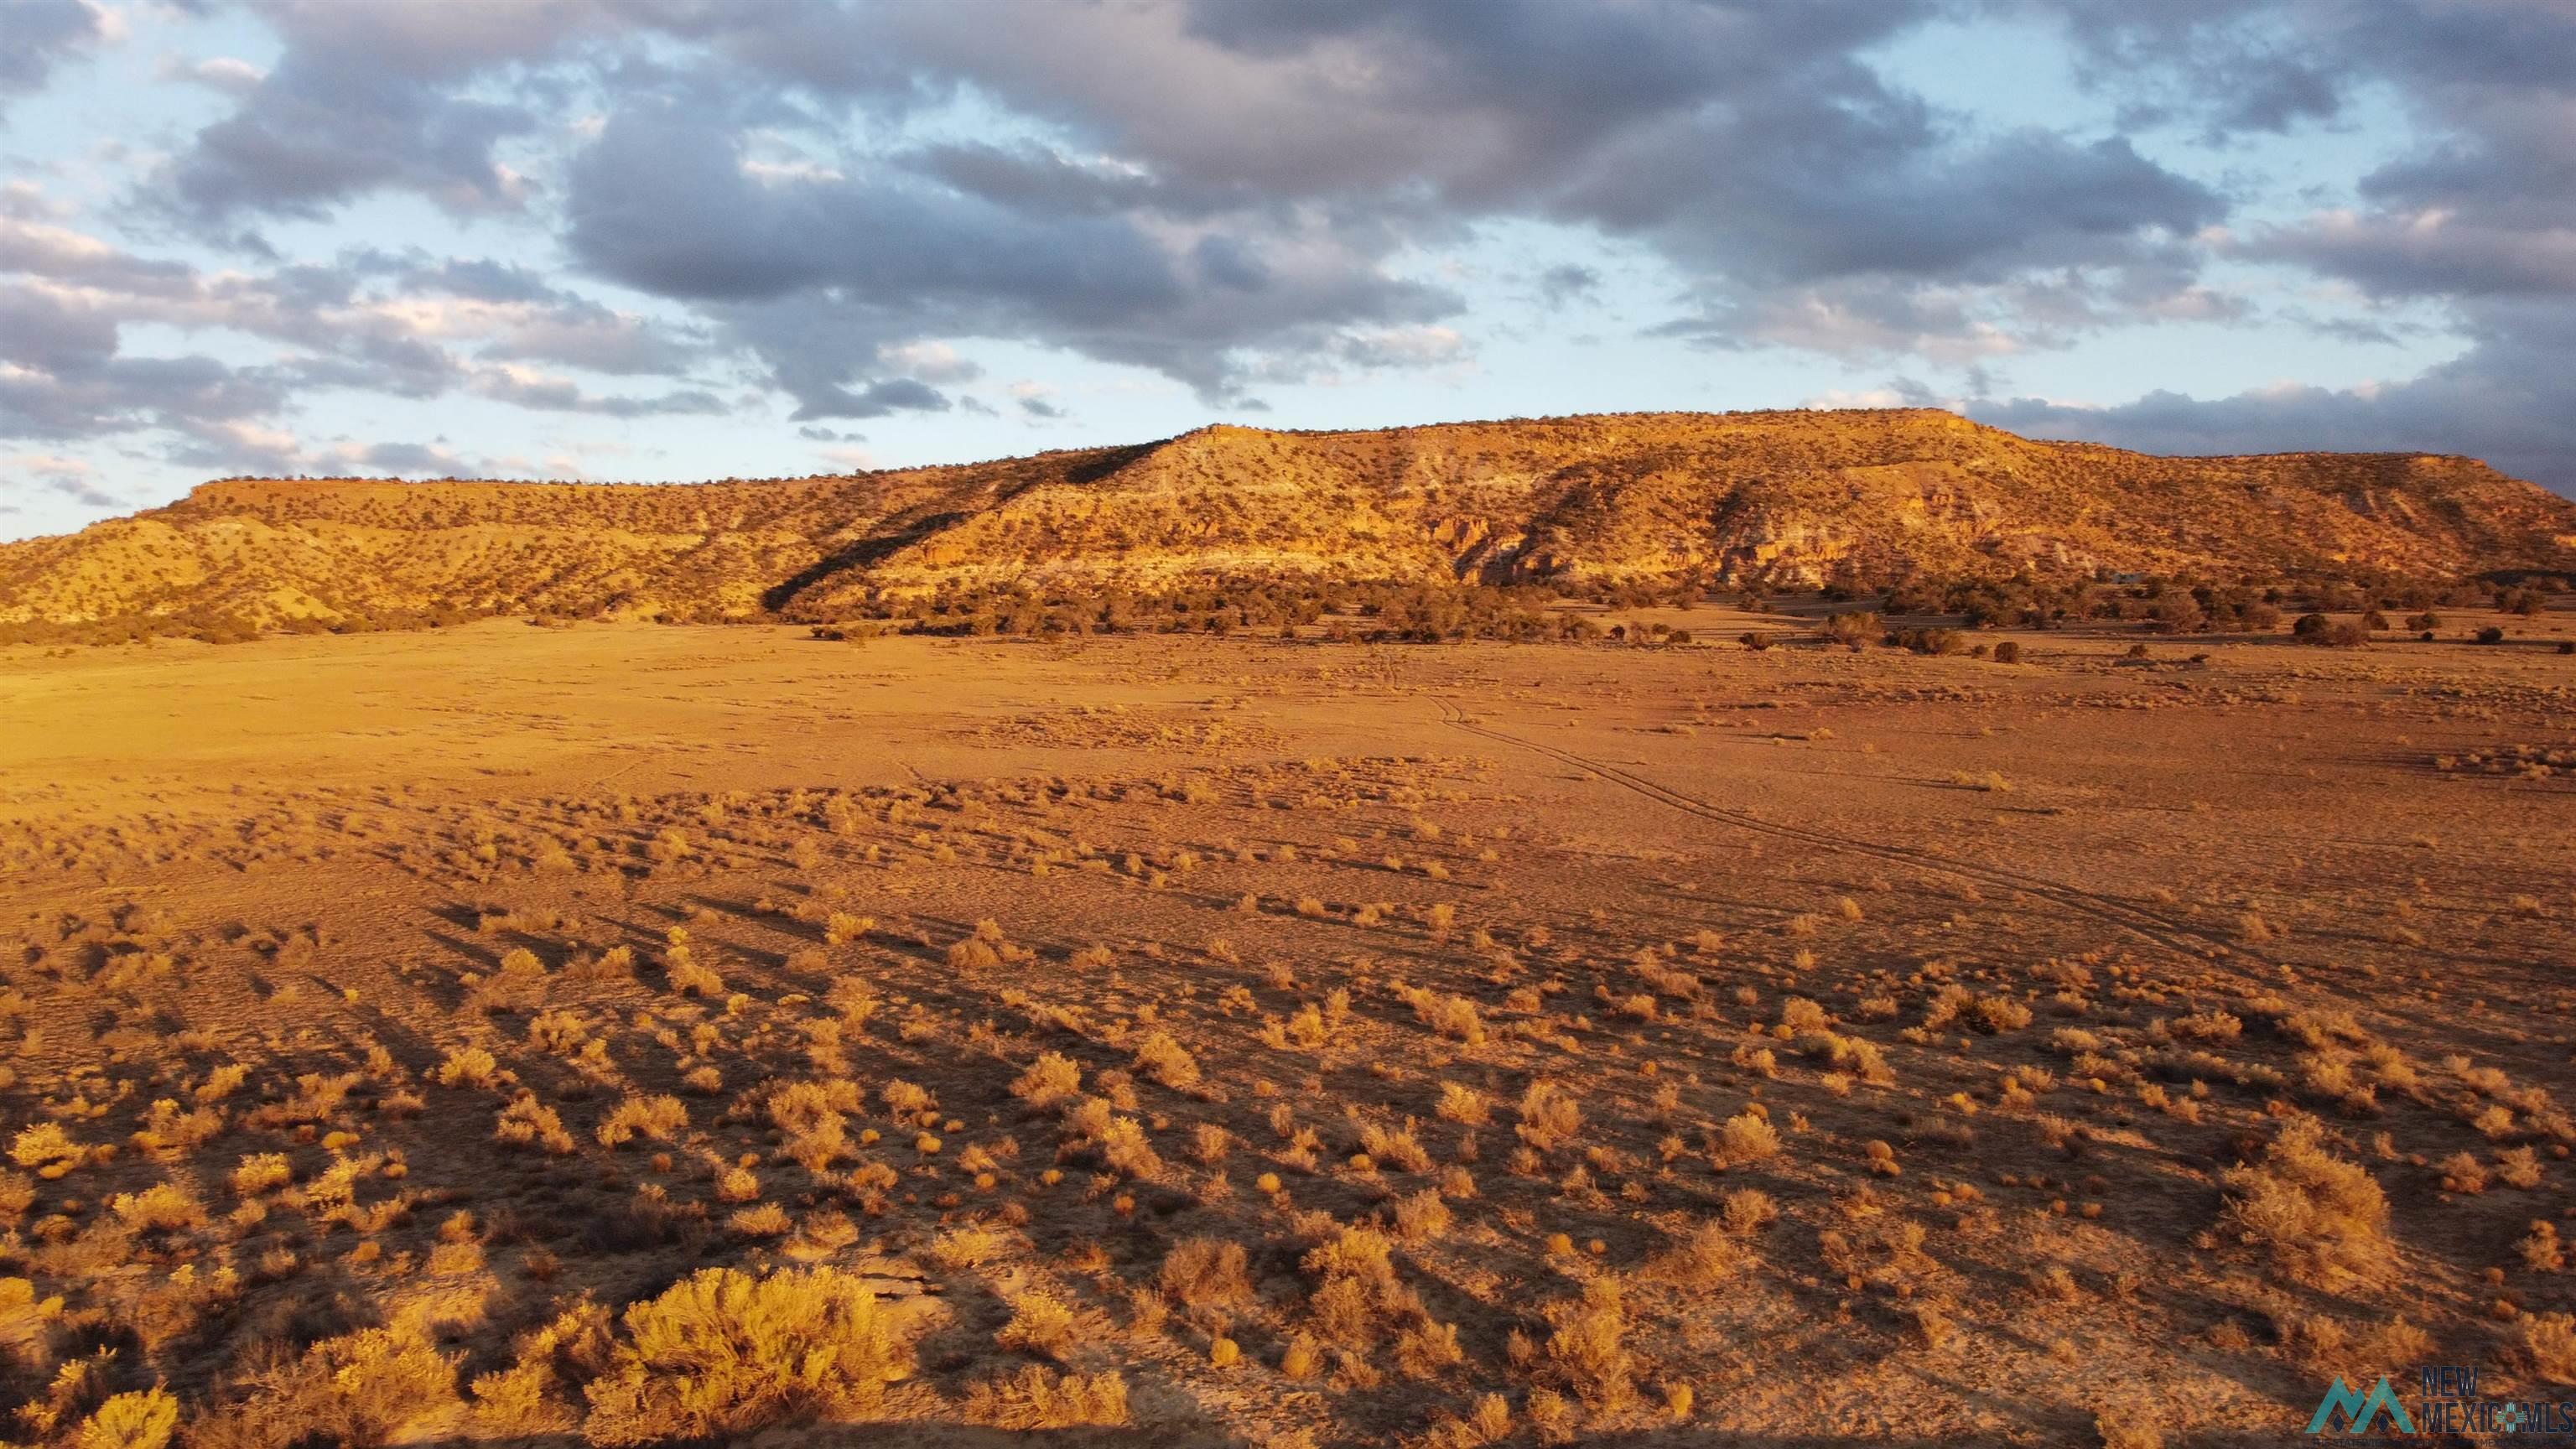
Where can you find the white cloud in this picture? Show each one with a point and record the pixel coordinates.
(1415, 346)
(931, 362)
(223, 73)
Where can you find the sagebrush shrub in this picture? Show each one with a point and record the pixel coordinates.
(1747, 1137)
(660, 1118)
(526, 1122)
(143, 1420)
(358, 1389)
(1038, 1398)
(1587, 1352)
(2318, 1215)
(46, 1149)
(1052, 1078)
(1040, 1324)
(1549, 1115)
(1167, 1062)
(721, 1352)
(1205, 1273)
(2545, 1346)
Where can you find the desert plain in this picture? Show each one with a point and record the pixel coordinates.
(618, 1033)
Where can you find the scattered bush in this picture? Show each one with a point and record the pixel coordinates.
(143, 1420)
(660, 1118)
(1207, 1273)
(1167, 1062)
(1039, 1398)
(2320, 1217)
(1040, 1324)
(722, 1352)
(1587, 1352)
(361, 1389)
(1549, 1115)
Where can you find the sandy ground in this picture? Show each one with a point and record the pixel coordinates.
(2029, 969)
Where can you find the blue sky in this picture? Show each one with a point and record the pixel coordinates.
(683, 239)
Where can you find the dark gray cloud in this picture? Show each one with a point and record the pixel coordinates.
(1567, 282)
(38, 35)
(314, 134)
(386, 94)
(882, 398)
(1484, 107)
(559, 394)
(1229, 179)
(1750, 144)
(38, 248)
(2226, 67)
(126, 394)
(819, 274)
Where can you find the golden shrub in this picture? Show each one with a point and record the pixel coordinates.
(1039, 1398)
(1549, 1115)
(721, 1352)
(1207, 1273)
(2318, 1215)
(143, 1420)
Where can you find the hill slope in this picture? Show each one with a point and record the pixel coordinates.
(1763, 498)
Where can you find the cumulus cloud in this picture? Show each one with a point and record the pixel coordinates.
(830, 279)
(375, 323)
(840, 203)
(253, 449)
(365, 97)
(2477, 214)
(1402, 347)
(1212, 189)
(2510, 399)
(42, 34)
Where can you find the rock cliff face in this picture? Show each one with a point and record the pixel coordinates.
(1775, 499)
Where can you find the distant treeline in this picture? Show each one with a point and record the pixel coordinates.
(2189, 606)
(1430, 613)
(1422, 613)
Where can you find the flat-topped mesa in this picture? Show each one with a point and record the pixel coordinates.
(1767, 499)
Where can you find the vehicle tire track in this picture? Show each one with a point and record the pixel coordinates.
(2110, 910)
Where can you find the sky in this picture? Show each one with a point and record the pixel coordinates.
(691, 239)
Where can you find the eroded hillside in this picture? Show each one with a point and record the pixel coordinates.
(1784, 498)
